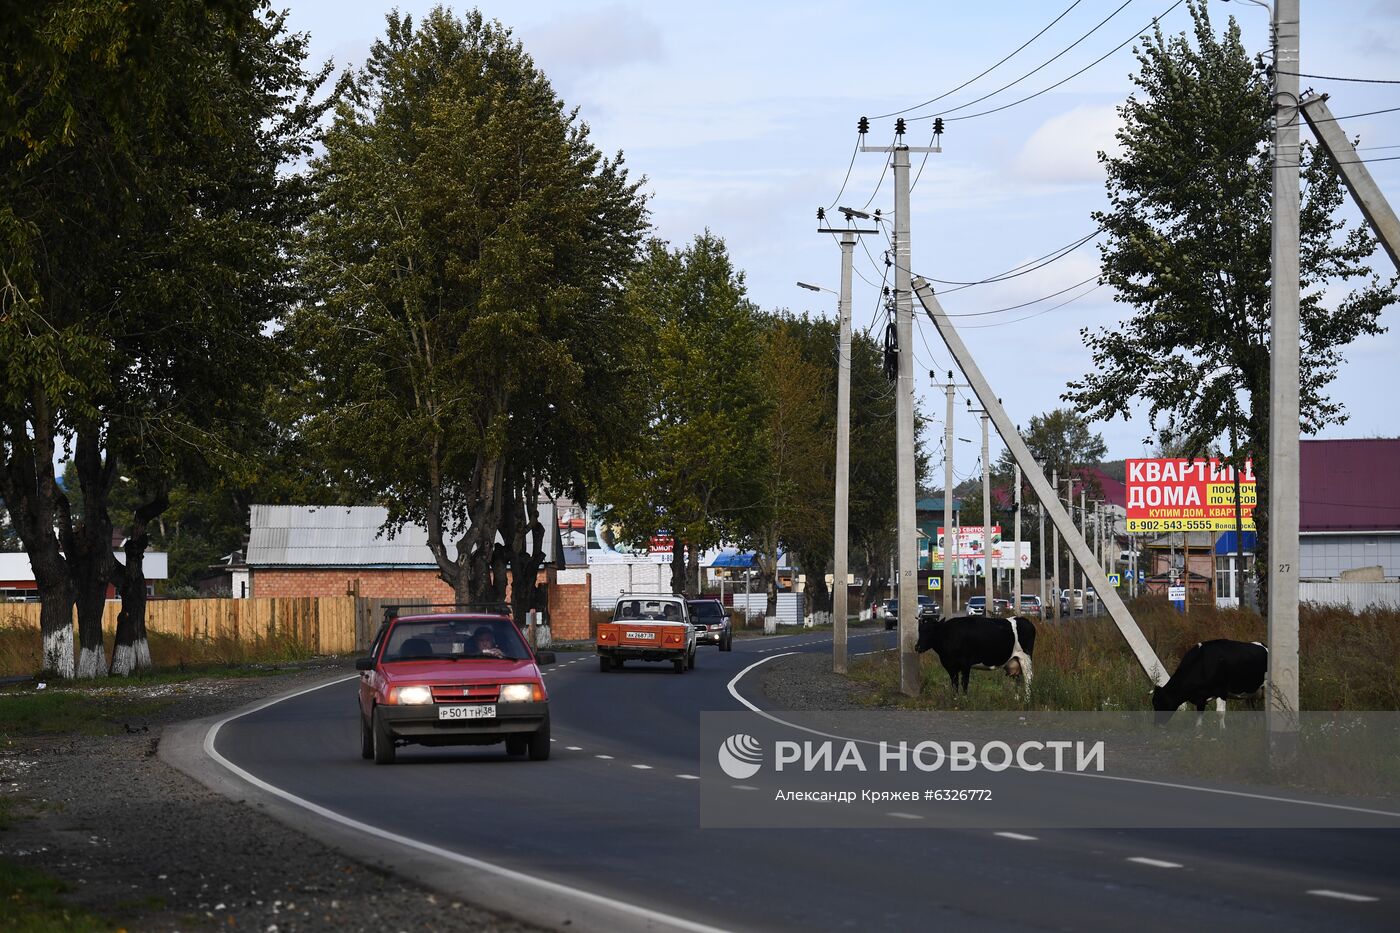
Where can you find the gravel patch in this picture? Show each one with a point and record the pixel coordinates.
(806, 682)
(149, 848)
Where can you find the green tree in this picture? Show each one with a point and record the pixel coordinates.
(1188, 245)
(874, 504)
(694, 471)
(466, 340)
(105, 109)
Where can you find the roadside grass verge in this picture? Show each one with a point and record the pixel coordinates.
(69, 710)
(1347, 662)
(30, 902)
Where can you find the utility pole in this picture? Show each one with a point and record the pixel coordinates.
(1016, 566)
(840, 599)
(1084, 524)
(1281, 701)
(1055, 532)
(950, 545)
(906, 537)
(986, 516)
(1041, 549)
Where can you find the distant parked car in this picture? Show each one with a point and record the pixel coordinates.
(977, 606)
(926, 604)
(1031, 607)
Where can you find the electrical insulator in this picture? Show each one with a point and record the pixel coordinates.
(863, 126)
(938, 126)
(899, 127)
(821, 213)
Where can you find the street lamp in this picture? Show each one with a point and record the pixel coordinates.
(815, 288)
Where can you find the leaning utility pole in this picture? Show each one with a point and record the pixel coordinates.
(1142, 650)
(1364, 190)
(906, 537)
(840, 599)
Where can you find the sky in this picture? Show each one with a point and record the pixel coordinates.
(742, 117)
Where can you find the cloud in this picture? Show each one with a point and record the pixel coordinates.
(593, 42)
(1064, 149)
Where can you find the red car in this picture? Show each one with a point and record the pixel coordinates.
(453, 679)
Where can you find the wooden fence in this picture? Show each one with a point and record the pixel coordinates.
(324, 624)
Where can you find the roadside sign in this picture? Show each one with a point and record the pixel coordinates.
(1113, 579)
(935, 583)
(1176, 594)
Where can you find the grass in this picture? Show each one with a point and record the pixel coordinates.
(72, 710)
(30, 902)
(1346, 661)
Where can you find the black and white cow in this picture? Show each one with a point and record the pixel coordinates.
(1213, 670)
(980, 642)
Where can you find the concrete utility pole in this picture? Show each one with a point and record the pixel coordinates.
(1364, 190)
(840, 599)
(1084, 523)
(950, 541)
(987, 519)
(1282, 695)
(906, 537)
(1139, 645)
(1016, 569)
(1055, 532)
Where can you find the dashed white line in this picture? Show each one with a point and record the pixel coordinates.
(573, 748)
(743, 787)
(1019, 837)
(604, 757)
(904, 816)
(1154, 862)
(688, 777)
(642, 767)
(1343, 896)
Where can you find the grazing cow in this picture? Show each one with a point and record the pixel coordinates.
(1213, 670)
(980, 642)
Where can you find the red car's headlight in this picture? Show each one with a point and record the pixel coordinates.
(411, 696)
(521, 693)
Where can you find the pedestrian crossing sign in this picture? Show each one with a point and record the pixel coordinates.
(1113, 579)
(935, 583)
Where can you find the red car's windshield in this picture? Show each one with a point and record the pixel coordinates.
(466, 639)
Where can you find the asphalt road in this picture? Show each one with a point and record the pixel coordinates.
(615, 812)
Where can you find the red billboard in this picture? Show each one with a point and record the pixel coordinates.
(1177, 494)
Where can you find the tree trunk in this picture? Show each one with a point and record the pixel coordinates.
(818, 594)
(37, 505)
(677, 564)
(526, 549)
(693, 570)
(89, 549)
(131, 651)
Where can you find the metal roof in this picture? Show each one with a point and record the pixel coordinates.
(1350, 485)
(349, 536)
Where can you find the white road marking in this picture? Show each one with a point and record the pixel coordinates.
(573, 748)
(744, 787)
(642, 767)
(520, 878)
(1154, 862)
(1019, 837)
(688, 777)
(604, 757)
(904, 816)
(1344, 896)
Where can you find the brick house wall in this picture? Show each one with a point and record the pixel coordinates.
(373, 583)
(569, 605)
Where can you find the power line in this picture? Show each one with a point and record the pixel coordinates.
(847, 179)
(1035, 314)
(1115, 49)
(1008, 58)
(1299, 74)
(1048, 61)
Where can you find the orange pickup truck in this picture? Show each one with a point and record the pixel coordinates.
(649, 627)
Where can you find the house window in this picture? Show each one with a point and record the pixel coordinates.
(1227, 581)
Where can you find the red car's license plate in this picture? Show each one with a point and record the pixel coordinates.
(475, 711)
